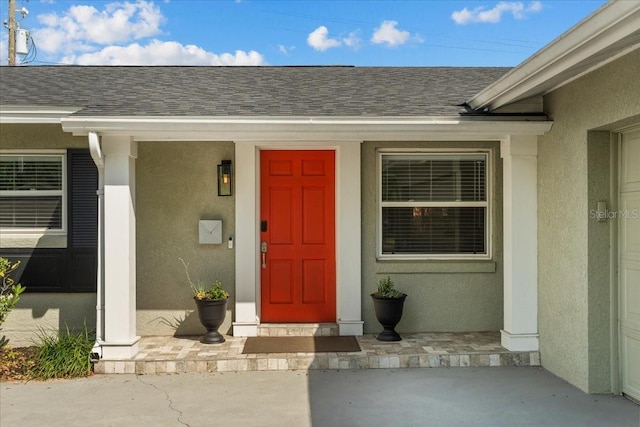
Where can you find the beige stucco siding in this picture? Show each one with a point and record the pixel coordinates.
(38, 137)
(38, 314)
(443, 295)
(176, 185)
(573, 262)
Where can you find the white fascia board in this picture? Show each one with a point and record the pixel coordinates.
(611, 23)
(304, 128)
(34, 114)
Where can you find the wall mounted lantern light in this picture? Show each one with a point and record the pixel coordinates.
(225, 178)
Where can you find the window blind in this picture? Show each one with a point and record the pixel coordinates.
(31, 191)
(440, 178)
(31, 212)
(419, 230)
(434, 204)
(30, 173)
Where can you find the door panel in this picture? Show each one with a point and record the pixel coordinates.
(281, 279)
(313, 211)
(314, 281)
(629, 263)
(280, 216)
(297, 197)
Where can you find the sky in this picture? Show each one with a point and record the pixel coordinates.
(293, 32)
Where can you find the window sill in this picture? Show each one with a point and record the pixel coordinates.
(52, 239)
(435, 266)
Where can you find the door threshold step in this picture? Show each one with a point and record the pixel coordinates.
(297, 329)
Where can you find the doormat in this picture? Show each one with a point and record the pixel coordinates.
(321, 344)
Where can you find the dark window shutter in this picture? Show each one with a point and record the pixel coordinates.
(83, 200)
(82, 237)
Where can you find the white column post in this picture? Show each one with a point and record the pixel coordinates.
(349, 247)
(120, 339)
(519, 154)
(247, 235)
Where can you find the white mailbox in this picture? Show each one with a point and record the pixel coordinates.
(210, 231)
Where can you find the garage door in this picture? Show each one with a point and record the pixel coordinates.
(629, 263)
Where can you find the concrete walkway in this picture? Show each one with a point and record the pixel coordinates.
(404, 397)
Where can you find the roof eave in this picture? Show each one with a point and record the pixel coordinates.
(612, 23)
(306, 128)
(35, 114)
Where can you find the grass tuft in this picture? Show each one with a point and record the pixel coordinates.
(64, 355)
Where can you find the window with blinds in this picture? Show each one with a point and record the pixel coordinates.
(434, 204)
(31, 192)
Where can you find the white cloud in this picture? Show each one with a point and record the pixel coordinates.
(85, 25)
(285, 50)
(4, 48)
(535, 6)
(480, 14)
(352, 40)
(388, 33)
(163, 53)
(319, 39)
(119, 34)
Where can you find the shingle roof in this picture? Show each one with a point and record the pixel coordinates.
(247, 91)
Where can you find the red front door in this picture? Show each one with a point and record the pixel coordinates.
(297, 208)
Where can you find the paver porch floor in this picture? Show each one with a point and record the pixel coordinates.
(166, 354)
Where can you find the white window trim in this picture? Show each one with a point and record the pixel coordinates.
(35, 233)
(423, 257)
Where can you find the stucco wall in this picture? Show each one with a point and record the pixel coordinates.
(48, 311)
(36, 137)
(443, 296)
(573, 260)
(176, 185)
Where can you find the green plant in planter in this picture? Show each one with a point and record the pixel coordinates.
(201, 293)
(215, 292)
(212, 307)
(388, 304)
(386, 289)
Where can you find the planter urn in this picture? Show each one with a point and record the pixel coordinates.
(212, 314)
(388, 312)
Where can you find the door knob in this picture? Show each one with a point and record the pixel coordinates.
(263, 249)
